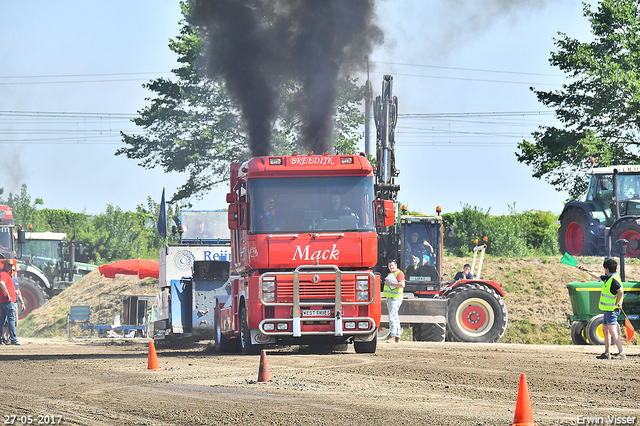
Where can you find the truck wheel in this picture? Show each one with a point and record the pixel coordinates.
(246, 347)
(33, 294)
(222, 343)
(595, 330)
(578, 336)
(429, 332)
(367, 347)
(476, 314)
(629, 230)
(574, 235)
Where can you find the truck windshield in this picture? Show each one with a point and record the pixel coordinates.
(284, 205)
(204, 225)
(6, 240)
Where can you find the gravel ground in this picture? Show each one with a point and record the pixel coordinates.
(106, 382)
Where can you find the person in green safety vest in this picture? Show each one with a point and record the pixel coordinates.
(393, 291)
(610, 303)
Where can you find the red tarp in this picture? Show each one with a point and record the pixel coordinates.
(142, 268)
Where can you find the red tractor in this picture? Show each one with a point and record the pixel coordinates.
(462, 310)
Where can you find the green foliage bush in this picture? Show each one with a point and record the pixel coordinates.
(526, 234)
(107, 237)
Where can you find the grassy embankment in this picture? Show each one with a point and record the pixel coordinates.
(535, 294)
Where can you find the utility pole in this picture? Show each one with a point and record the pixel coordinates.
(368, 99)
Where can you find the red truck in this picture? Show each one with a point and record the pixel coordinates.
(8, 237)
(303, 248)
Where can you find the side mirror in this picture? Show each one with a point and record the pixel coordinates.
(231, 198)
(21, 236)
(385, 213)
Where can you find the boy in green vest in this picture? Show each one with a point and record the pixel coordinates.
(610, 303)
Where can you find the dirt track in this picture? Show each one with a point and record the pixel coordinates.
(106, 382)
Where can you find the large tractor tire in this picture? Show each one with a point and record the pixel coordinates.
(578, 336)
(428, 332)
(595, 330)
(627, 229)
(33, 295)
(476, 314)
(575, 235)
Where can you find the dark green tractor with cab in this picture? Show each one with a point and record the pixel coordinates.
(609, 212)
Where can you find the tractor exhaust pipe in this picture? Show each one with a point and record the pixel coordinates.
(616, 207)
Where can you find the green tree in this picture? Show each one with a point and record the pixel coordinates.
(192, 126)
(530, 233)
(119, 235)
(599, 110)
(151, 212)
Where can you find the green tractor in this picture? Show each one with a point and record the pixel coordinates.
(586, 321)
(587, 318)
(610, 212)
(46, 266)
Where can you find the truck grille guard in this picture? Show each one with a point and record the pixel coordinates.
(316, 289)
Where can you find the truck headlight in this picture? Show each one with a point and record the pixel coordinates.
(268, 285)
(362, 285)
(362, 295)
(269, 297)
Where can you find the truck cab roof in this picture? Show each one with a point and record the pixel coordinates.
(628, 169)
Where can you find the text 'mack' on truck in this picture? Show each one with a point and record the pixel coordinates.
(610, 212)
(304, 244)
(46, 266)
(462, 310)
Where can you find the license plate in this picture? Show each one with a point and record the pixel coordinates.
(316, 312)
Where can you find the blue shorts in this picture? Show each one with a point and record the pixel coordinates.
(611, 317)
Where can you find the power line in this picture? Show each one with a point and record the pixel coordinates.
(481, 80)
(84, 75)
(466, 69)
(13, 83)
(60, 114)
(474, 114)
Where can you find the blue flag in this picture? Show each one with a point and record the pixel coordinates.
(162, 217)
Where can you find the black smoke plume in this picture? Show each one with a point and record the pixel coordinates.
(257, 45)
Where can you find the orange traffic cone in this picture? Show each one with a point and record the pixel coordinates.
(153, 358)
(263, 371)
(524, 415)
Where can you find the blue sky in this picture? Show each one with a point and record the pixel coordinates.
(71, 76)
